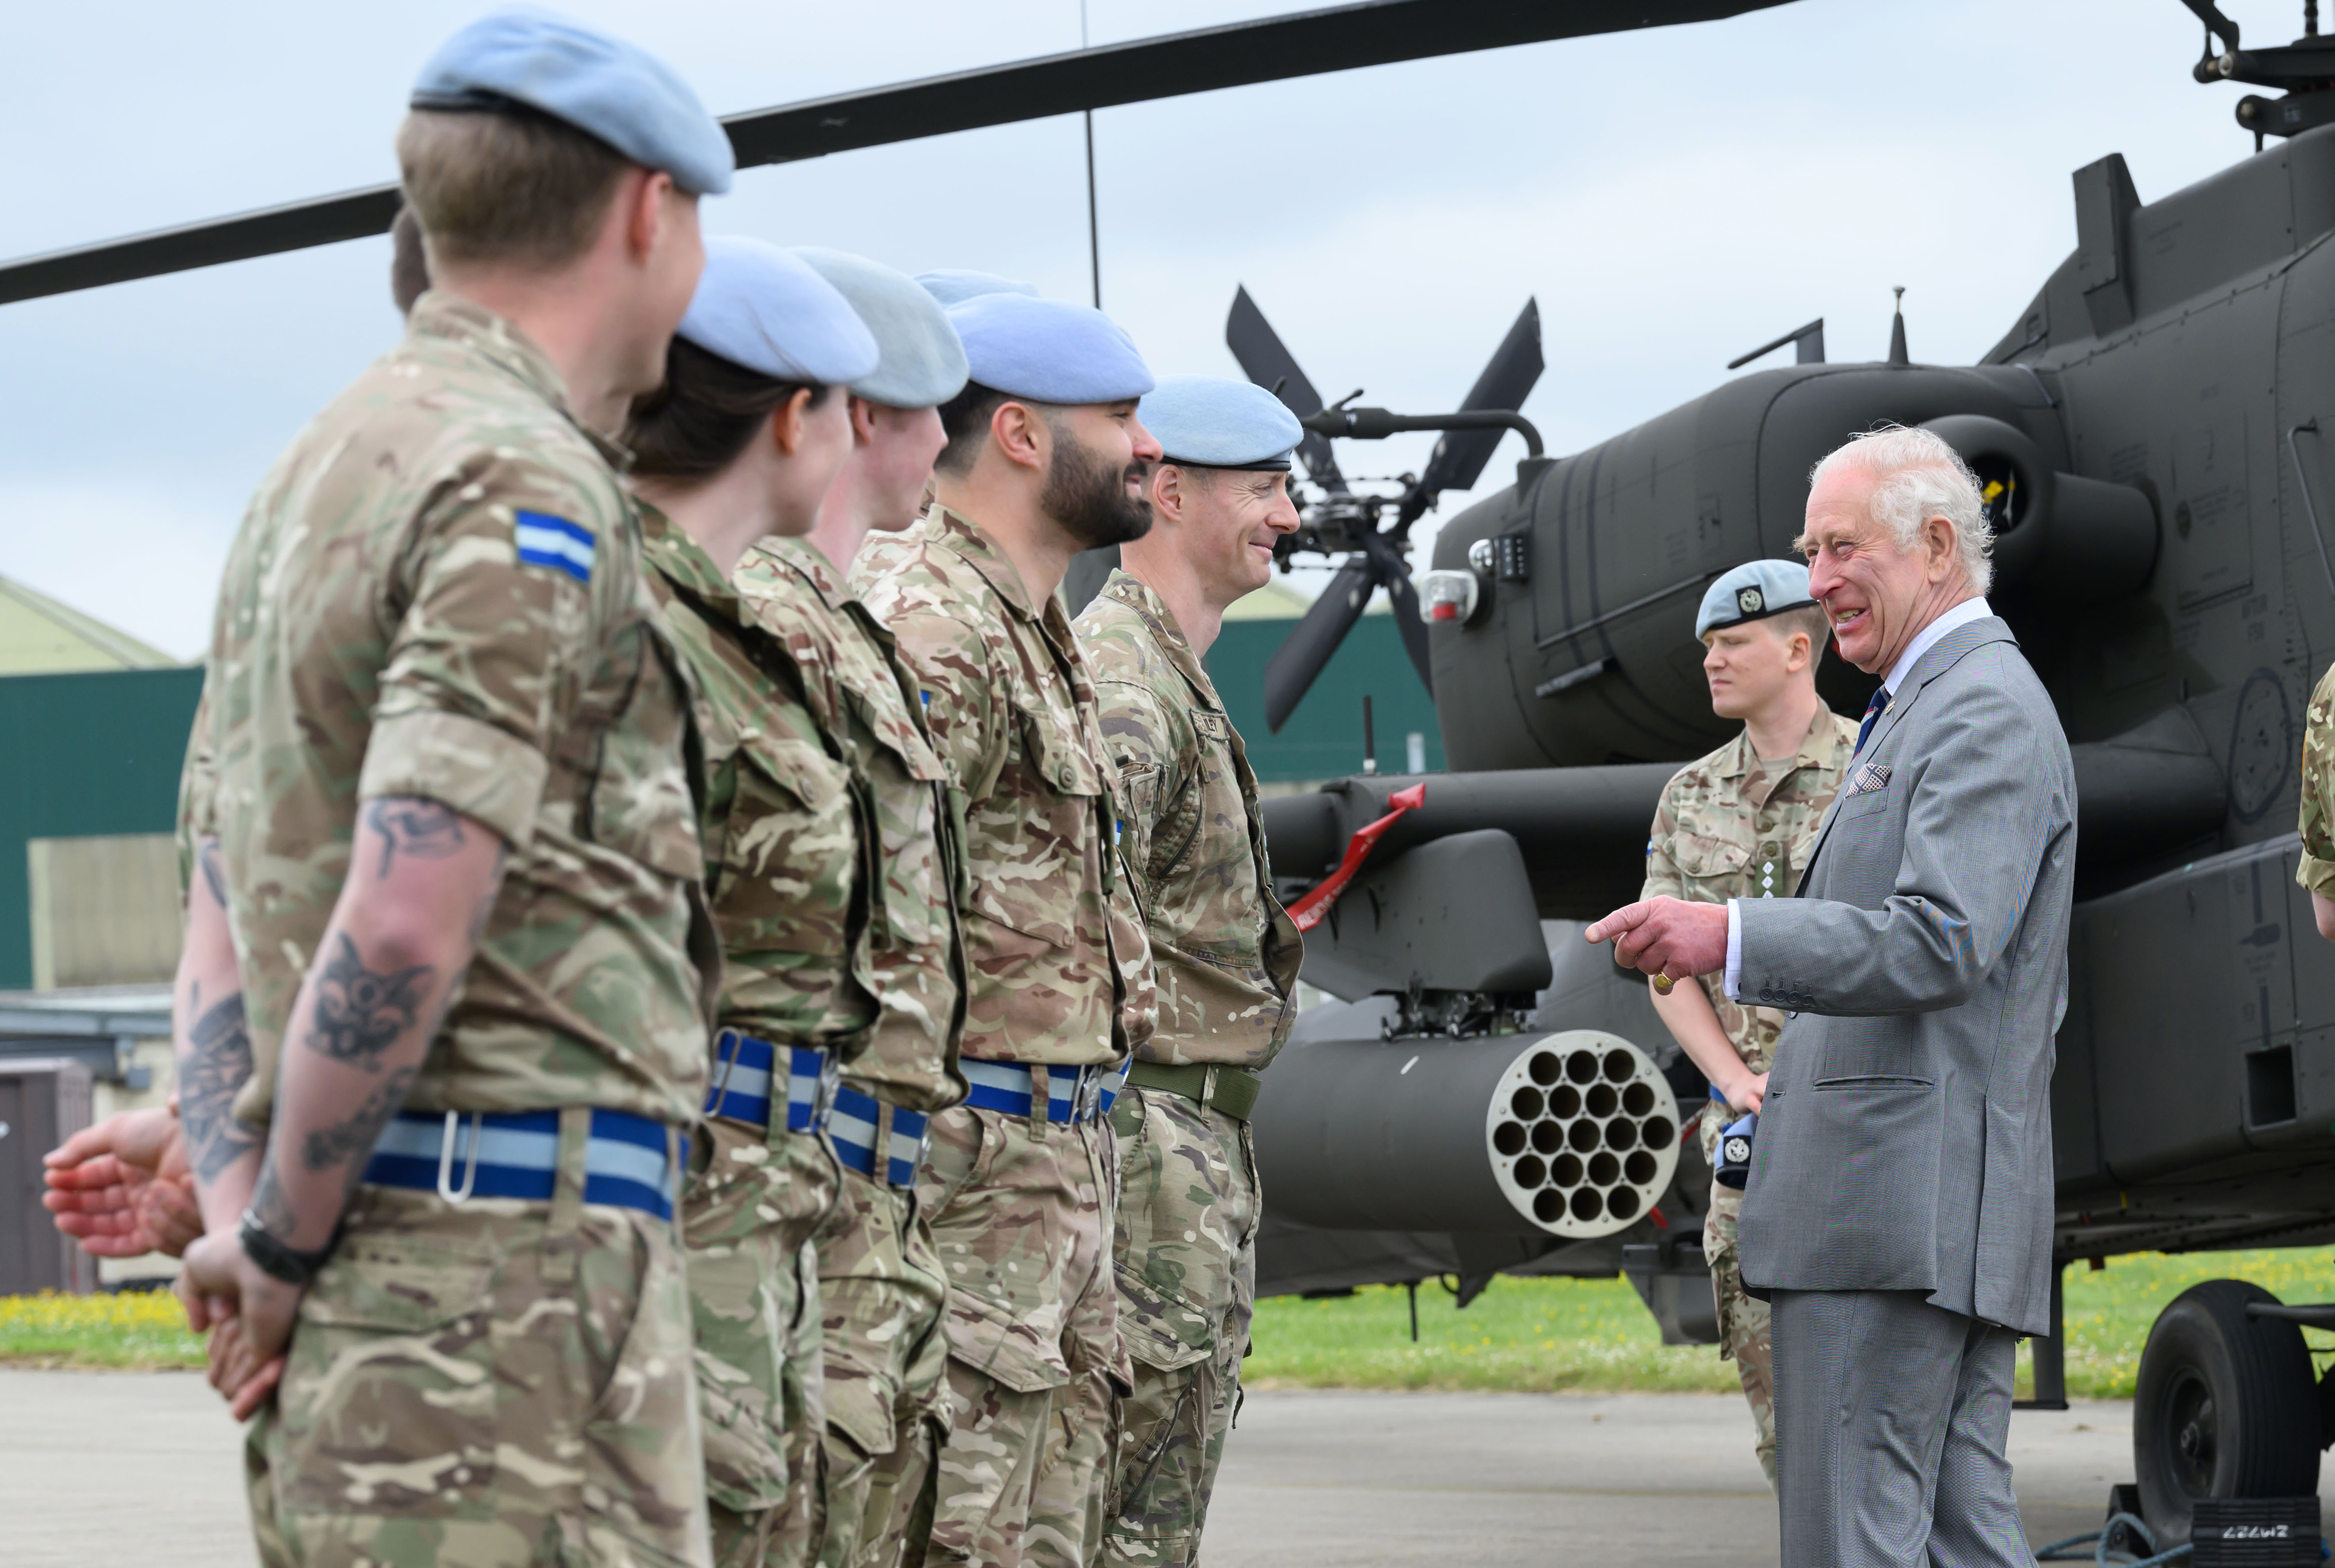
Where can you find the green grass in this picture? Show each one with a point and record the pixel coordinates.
(1532, 1335)
(138, 1329)
(1520, 1335)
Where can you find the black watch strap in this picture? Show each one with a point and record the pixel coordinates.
(276, 1260)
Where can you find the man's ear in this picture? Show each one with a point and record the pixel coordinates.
(640, 206)
(1938, 542)
(1019, 433)
(863, 422)
(1168, 490)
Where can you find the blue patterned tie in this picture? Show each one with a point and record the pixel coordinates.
(1873, 711)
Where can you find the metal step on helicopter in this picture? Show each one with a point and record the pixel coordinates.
(2155, 433)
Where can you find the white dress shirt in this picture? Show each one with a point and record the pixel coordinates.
(1961, 615)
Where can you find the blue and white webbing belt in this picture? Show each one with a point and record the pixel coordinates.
(462, 1154)
(1072, 1093)
(852, 1127)
(741, 1089)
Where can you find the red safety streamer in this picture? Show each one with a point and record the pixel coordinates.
(1309, 910)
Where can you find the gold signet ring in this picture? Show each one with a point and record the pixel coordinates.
(1663, 983)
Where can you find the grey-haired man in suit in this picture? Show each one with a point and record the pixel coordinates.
(1899, 1211)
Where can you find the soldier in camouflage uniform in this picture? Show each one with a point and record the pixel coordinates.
(1225, 955)
(2316, 871)
(444, 814)
(1739, 824)
(742, 442)
(880, 1283)
(1044, 457)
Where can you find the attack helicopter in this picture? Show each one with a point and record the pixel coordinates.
(2155, 439)
(2150, 431)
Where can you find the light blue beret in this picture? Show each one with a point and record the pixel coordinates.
(1049, 350)
(1214, 421)
(1753, 592)
(920, 363)
(764, 308)
(597, 82)
(952, 286)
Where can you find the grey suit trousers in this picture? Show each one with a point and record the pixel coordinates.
(1891, 1417)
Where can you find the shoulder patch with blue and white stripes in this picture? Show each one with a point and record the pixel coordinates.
(544, 540)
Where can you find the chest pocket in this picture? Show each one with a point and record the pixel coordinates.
(638, 800)
(790, 851)
(912, 886)
(1037, 835)
(1203, 870)
(1712, 864)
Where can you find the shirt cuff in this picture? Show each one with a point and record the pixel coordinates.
(2317, 876)
(1734, 950)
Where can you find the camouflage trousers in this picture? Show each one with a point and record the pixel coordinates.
(753, 1291)
(1184, 1255)
(881, 1295)
(488, 1383)
(1742, 1320)
(1021, 1220)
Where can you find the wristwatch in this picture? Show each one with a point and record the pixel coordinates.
(276, 1260)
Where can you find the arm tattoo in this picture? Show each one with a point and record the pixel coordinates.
(206, 860)
(410, 824)
(360, 1011)
(353, 1139)
(219, 1064)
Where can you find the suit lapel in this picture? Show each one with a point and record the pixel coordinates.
(1943, 656)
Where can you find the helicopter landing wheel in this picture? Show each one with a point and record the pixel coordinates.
(2226, 1406)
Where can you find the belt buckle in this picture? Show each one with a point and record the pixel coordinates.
(1208, 1089)
(831, 1079)
(726, 1046)
(446, 1188)
(1087, 1104)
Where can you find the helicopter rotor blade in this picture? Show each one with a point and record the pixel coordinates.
(1507, 380)
(1307, 650)
(1273, 48)
(1403, 598)
(1266, 360)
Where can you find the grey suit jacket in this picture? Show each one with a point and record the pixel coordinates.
(1905, 1140)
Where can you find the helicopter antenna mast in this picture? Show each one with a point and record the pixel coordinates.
(1897, 354)
(1094, 232)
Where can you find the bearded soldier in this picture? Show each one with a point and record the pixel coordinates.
(1225, 955)
(1045, 458)
(1739, 824)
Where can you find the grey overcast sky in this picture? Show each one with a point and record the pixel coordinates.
(1672, 196)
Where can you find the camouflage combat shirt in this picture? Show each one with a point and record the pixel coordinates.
(1060, 970)
(437, 592)
(1225, 953)
(862, 696)
(785, 868)
(1727, 829)
(2317, 869)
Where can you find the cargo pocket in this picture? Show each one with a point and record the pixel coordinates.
(1036, 833)
(738, 1343)
(388, 1403)
(1169, 1258)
